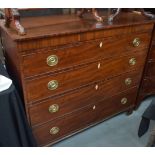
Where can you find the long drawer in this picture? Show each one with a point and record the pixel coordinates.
(82, 118)
(43, 61)
(28, 45)
(58, 106)
(51, 85)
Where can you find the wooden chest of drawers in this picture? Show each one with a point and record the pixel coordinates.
(74, 74)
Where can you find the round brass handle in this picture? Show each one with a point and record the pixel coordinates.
(132, 61)
(128, 81)
(52, 60)
(136, 42)
(124, 100)
(53, 108)
(52, 85)
(54, 130)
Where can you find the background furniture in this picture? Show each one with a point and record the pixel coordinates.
(149, 114)
(14, 128)
(75, 73)
(140, 10)
(147, 87)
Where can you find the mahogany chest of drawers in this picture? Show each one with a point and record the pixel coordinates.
(74, 73)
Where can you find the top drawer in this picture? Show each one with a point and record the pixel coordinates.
(90, 32)
(44, 61)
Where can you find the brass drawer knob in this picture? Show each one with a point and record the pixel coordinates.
(128, 81)
(136, 42)
(52, 60)
(101, 44)
(52, 85)
(124, 100)
(53, 108)
(54, 130)
(132, 61)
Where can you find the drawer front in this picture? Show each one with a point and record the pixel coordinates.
(70, 102)
(71, 123)
(116, 103)
(65, 125)
(43, 61)
(38, 43)
(56, 84)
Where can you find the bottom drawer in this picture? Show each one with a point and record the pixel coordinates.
(68, 124)
(116, 104)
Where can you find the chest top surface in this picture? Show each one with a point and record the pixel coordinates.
(48, 26)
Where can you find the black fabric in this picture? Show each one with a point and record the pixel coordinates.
(143, 127)
(149, 114)
(14, 128)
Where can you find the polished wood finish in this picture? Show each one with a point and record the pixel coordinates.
(74, 29)
(81, 97)
(93, 71)
(84, 117)
(82, 53)
(82, 76)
